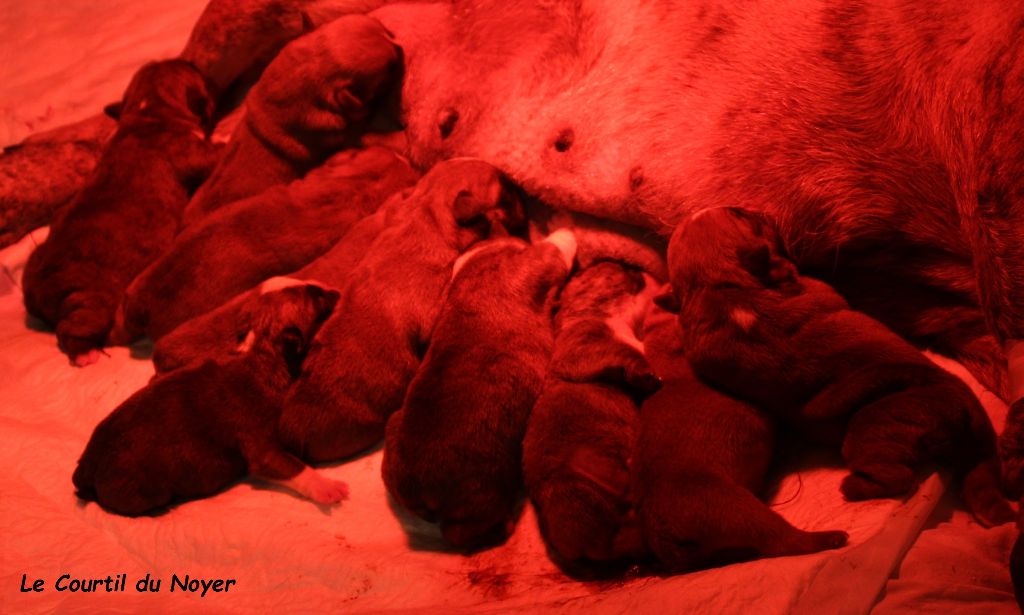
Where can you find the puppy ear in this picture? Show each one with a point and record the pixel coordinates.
(756, 261)
(667, 300)
(113, 110)
(498, 213)
(200, 104)
(293, 346)
(769, 268)
(323, 300)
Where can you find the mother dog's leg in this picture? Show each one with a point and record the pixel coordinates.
(992, 216)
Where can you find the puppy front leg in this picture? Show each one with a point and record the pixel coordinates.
(278, 466)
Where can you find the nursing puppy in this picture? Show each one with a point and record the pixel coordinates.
(273, 233)
(452, 454)
(700, 460)
(218, 332)
(191, 433)
(128, 212)
(581, 434)
(312, 100)
(368, 351)
(791, 345)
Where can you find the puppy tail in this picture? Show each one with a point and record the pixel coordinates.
(721, 524)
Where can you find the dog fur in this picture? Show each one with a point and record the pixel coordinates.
(701, 458)
(158, 156)
(758, 330)
(312, 100)
(248, 241)
(453, 452)
(582, 432)
(191, 433)
(369, 350)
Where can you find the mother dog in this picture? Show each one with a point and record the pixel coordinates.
(882, 134)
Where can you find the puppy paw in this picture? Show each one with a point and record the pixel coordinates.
(86, 358)
(880, 482)
(830, 540)
(329, 491)
(317, 487)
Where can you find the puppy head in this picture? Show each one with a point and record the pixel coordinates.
(473, 198)
(355, 85)
(285, 321)
(169, 87)
(727, 247)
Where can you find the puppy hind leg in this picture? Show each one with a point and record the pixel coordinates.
(887, 440)
(278, 466)
(85, 320)
(760, 530)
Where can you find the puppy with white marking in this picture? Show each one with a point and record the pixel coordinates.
(312, 100)
(453, 453)
(700, 460)
(790, 344)
(582, 432)
(273, 233)
(369, 350)
(191, 433)
(128, 212)
(218, 332)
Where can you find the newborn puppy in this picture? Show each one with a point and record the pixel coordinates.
(700, 459)
(791, 345)
(191, 433)
(312, 100)
(453, 451)
(581, 434)
(218, 332)
(273, 233)
(367, 353)
(128, 212)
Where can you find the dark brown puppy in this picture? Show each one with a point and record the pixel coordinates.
(453, 452)
(218, 332)
(191, 433)
(369, 350)
(273, 233)
(700, 459)
(311, 101)
(128, 212)
(757, 329)
(582, 432)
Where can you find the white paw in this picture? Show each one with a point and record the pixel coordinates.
(329, 491)
(86, 359)
(565, 240)
(319, 488)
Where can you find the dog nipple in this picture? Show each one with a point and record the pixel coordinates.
(636, 178)
(446, 121)
(564, 140)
